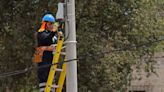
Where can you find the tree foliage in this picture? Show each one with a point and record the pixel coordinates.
(131, 26)
(105, 25)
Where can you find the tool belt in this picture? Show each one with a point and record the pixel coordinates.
(39, 52)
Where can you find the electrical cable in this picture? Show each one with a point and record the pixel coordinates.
(117, 50)
(30, 68)
(128, 48)
(15, 72)
(123, 49)
(66, 20)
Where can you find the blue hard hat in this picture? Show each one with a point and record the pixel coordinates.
(49, 18)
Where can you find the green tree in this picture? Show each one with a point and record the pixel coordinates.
(105, 25)
(102, 26)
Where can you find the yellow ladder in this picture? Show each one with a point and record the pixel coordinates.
(53, 69)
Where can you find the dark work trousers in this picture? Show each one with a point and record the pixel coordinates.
(43, 73)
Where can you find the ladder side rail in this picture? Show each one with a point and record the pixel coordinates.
(53, 67)
(62, 78)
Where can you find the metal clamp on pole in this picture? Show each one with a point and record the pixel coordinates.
(67, 42)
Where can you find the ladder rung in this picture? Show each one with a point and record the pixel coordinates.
(63, 47)
(63, 53)
(55, 86)
(60, 70)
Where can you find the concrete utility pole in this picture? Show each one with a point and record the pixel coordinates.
(71, 76)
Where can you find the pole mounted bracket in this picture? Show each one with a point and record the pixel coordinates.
(67, 42)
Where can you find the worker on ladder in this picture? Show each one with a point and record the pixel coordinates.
(46, 36)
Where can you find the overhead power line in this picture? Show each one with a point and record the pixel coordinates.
(30, 68)
(17, 72)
